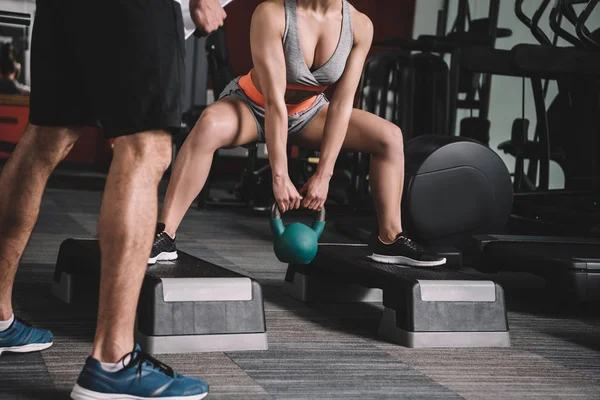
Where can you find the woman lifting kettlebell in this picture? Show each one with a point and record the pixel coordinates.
(299, 48)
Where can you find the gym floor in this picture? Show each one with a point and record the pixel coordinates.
(315, 352)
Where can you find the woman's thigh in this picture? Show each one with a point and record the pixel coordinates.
(367, 133)
(226, 123)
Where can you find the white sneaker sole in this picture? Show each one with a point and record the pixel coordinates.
(164, 256)
(28, 348)
(80, 393)
(405, 261)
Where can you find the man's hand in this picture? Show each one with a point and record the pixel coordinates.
(315, 192)
(286, 194)
(208, 15)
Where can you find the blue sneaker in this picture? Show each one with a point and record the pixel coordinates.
(21, 337)
(143, 377)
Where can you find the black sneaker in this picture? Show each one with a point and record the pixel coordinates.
(405, 252)
(163, 248)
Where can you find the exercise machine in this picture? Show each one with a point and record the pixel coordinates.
(574, 107)
(566, 132)
(474, 88)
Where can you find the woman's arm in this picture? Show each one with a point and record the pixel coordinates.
(338, 115)
(342, 101)
(266, 33)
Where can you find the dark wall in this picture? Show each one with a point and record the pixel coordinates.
(391, 18)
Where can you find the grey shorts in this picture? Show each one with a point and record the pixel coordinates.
(296, 122)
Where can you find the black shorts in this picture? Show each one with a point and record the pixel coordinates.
(118, 64)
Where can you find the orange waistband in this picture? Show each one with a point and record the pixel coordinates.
(252, 92)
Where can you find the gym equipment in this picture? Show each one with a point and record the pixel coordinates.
(422, 307)
(569, 265)
(431, 95)
(576, 72)
(575, 99)
(520, 147)
(475, 87)
(188, 305)
(296, 243)
(472, 91)
(454, 187)
(582, 32)
(565, 133)
(565, 9)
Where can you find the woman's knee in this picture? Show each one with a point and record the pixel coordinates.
(206, 134)
(392, 141)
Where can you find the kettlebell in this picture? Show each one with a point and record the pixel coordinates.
(296, 243)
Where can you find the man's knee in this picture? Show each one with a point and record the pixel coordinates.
(149, 150)
(48, 145)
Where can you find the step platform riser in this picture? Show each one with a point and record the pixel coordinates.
(422, 308)
(186, 305)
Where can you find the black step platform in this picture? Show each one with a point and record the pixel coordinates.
(186, 305)
(422, 307)
(571, 263)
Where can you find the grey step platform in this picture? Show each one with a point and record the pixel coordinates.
(422, 307)
(186, 305)
(571, 265)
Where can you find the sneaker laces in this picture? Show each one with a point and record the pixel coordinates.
(162, 238)
(407, 242)
(144, 359)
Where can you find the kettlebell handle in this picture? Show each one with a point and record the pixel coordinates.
(276, 212)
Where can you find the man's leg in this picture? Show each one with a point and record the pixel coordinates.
(23, 180)
(127, 221)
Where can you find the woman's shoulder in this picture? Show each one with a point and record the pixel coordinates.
(362, 26)
(271, 8)
(270, 12)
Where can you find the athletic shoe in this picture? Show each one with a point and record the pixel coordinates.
(21, 337)
(404, 251)
(143, 377)
(163, 248)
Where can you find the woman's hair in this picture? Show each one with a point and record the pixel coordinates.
(8, 64)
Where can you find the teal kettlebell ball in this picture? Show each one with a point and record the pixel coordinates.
(297, 245)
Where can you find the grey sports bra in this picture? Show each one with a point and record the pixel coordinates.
(329, 73)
